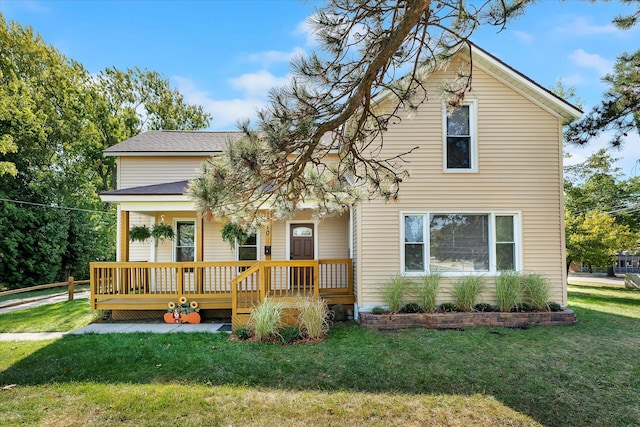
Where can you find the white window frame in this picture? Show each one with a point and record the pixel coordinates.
(237, 247)
(473, 133)
(175, 240)
(517, 231)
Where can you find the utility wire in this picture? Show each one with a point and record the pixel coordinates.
(54, 207)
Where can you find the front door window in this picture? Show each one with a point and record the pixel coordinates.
(185, 241)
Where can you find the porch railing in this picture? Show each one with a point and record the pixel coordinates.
(239, 285)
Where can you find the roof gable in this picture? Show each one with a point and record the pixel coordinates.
(521, 83)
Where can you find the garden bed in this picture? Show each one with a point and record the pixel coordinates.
(390, 321)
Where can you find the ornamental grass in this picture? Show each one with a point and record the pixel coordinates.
(266, 319)
(394, 291)
(466, 292)
(508, 290)
(313, 316)
(536, 290)
(427, 290)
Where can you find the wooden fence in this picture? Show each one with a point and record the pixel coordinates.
(69, 284)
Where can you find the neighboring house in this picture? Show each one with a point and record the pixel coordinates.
(484, 195)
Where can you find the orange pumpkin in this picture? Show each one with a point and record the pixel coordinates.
(168, 318)
(183, 318)
(193, 317)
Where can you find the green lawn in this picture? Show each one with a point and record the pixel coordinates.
(554, 376)
(59, 317)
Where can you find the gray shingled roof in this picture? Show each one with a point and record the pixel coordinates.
(174, 141)
(165, 189)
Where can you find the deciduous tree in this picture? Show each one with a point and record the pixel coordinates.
(55, 120)
(595, 239)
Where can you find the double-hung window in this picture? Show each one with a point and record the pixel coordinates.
(459, 242)
(505, 243)
(248, 251)
(414, 243)
(460, 147)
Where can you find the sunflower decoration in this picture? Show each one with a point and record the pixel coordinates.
(182, 312)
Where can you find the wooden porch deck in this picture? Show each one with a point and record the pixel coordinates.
(235, 285)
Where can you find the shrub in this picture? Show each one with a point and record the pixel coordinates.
(536, 290)
(265, 319)
(427, 290)
(313, 316)
(394, 291)
(289, 334)
(448, 307)
(508, 290)
(523, 307)
(412, 307)
(377, 310)
(466, 292)
(554, 306)
(483, 306)
(242, 333)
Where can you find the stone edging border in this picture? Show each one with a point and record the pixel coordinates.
(463, 320)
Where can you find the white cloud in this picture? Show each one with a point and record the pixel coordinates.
(257, 84)
(591, 60)
(580, 26)
(574, 79)
(270, 57)
(227, 112)
(305, 29)
(628, 154)
(522, 36)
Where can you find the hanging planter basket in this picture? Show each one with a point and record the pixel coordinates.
(233, 233)
(139, 233)
(162, 232)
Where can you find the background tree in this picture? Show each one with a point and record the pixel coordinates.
(595, 239)
(55, 120)
(126, 103)
(597, 204)
(619, 111)
(595, 184)
(42, 113)
(332, 105)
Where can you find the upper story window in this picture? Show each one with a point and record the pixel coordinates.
(460, 147)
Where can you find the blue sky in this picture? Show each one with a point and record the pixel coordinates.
(226, 55)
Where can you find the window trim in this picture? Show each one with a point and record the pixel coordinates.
(175, 240)
(237, 248)
(517, 231)
(473, 133)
